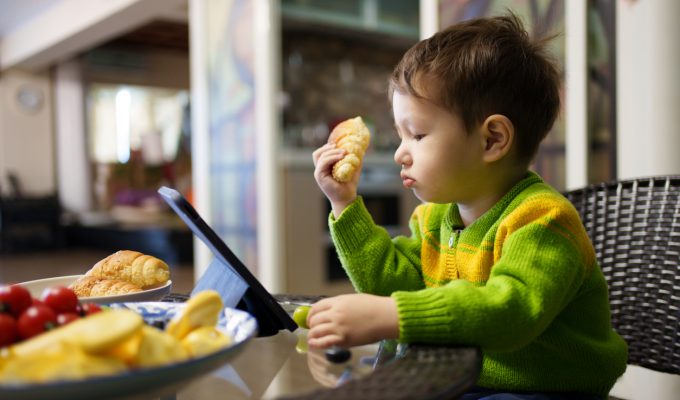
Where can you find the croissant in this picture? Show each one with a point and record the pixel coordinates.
(353, 136)
(89, 286)
(132, 266)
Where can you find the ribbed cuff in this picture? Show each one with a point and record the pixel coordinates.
(351, 229)
(424, 316)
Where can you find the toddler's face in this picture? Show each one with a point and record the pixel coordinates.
(441, 162)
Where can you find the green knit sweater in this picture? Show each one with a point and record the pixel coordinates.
(521, 282)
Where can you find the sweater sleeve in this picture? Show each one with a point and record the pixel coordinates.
(540, 270)
(374, 262)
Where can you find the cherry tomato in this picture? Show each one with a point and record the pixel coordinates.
(65, 318)
(8, 330)
(60, 299)
(89, 308)
(38, 302)
(14, 299)
(35, 320)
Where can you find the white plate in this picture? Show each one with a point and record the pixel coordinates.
(36, 288)
(150, 382)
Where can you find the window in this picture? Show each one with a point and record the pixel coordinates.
(138, 139)
(123, 119)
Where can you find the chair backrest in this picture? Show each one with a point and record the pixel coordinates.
(635, 228)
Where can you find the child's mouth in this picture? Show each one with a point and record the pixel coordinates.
(408, 182)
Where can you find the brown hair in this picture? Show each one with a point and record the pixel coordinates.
(482, 67)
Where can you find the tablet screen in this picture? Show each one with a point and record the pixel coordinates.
(228, 275)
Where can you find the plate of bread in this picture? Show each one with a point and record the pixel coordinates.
(124, 276)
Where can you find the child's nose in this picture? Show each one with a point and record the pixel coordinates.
(397, 156)
(400, 156)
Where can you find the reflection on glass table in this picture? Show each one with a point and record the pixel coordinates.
(281, 367)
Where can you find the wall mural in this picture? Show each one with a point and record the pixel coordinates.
(232, 126)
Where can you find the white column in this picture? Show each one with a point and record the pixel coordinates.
(74, 178)
(576, 121)
(269, 189)
(200, 131)
(648, 58)
(429, 18)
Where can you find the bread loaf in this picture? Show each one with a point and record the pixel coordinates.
(353, 136)
(89, 286)
(122, 272)
(133, 267)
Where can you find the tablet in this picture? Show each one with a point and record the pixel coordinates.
(228, 275)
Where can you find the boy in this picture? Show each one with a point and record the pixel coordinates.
(497, 258)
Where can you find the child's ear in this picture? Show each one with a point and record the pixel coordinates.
(498, 134)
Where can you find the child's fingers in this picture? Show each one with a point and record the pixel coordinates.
(323, 336)
(314, 312)
(317, 319)
(324, 342)
(318, 152)
(325, 163)
(330, 157)
(321, 330)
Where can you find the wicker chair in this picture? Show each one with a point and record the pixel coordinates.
(635, 228)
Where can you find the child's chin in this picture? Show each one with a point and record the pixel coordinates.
(421, 196)
(429, 198)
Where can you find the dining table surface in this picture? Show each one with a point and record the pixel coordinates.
(282, 366)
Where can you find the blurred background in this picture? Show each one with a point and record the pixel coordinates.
(102, 102)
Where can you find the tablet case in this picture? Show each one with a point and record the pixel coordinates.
(228, 275)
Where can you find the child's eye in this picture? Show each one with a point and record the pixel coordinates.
(418, 137)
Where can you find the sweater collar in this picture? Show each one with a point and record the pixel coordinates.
(455, 222)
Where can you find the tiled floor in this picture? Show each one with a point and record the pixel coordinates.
(26, 266)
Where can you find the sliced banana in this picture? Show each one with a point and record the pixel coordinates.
(63, 360)
(96, 333)
(205, 340)
(158, 348)
(202, 309)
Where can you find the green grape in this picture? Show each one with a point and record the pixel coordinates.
(301, 345)
(300, 316)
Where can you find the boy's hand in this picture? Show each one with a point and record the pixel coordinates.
(340, 194)
(352, 320)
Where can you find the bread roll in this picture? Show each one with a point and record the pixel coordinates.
(89, 286)
(353, 136)
(133, 267)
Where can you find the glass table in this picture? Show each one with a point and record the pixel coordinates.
(282, 367)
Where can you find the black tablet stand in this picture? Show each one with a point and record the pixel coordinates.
(228, 275)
